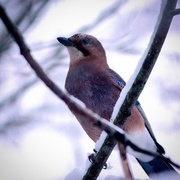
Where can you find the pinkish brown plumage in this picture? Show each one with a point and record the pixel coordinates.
(92, 81)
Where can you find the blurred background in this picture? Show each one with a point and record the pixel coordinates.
(39, 137)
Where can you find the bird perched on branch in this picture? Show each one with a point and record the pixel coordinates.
(92, 81)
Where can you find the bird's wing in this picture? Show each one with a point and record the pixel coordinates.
(121, 83)
(157, 165)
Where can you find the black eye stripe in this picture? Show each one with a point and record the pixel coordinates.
(80, 42)
(82, 49)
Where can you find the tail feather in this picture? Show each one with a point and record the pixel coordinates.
(156, 166)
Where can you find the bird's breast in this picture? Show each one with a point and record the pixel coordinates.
(99, 93)
(94, 89)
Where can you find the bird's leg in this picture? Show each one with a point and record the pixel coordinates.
(92, 158)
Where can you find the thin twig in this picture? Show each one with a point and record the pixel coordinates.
(124, 161)
(103, 15)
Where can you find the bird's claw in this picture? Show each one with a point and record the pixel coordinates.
(92, 156)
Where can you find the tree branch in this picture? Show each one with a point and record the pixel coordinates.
(175, 12)
(103, 15)
(150, 57)
(124, 161)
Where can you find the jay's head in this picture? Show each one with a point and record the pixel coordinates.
(83, 47)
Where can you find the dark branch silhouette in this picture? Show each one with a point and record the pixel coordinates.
(28, 13)
(175, 12)
(150, 57)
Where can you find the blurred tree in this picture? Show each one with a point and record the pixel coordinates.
(24, 14)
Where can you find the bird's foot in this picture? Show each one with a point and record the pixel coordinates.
(92, 158)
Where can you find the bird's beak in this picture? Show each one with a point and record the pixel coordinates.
(65, 41)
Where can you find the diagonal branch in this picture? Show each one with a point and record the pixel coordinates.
(135, 86)
(103, 15)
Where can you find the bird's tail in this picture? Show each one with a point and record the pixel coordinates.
(156, 166)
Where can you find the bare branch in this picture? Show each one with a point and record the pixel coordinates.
(103, 15)
(150, 57)
(175, 12)
(124, 161)
(27, 15)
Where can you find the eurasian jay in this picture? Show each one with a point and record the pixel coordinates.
(92, 81)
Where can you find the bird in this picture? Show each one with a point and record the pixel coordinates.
(91, 80)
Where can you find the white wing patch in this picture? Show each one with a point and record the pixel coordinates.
(144, 141)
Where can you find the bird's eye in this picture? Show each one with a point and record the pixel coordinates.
(86, 41)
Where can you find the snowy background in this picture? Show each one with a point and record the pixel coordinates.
(39, 137)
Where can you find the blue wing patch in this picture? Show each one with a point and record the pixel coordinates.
(122, 85)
